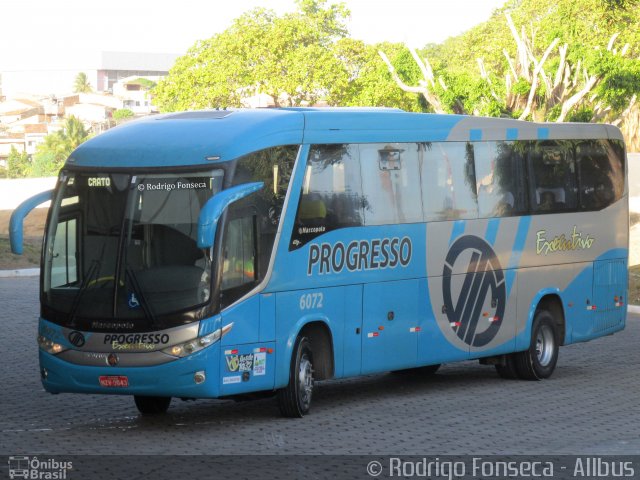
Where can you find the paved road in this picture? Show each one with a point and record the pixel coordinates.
(590, 406)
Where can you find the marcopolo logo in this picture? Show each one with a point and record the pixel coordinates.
(483, 283)
(76, 338)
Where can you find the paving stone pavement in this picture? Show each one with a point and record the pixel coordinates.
(589, 406)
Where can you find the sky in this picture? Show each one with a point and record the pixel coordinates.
(58, 34)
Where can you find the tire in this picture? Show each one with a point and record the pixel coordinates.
(539, 361)
(508, 370)
(294, 400)
(152, 405)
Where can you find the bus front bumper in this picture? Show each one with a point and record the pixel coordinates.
(178, 378)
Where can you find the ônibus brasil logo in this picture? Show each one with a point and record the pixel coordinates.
(484, 277)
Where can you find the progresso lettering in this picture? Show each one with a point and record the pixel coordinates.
(359, 255)
(137, 338)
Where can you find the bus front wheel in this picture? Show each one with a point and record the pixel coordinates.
(294, 400)
(539, 361)
(152, 405)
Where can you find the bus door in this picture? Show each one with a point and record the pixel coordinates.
(390, 326)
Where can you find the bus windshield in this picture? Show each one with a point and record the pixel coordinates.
(124, 245)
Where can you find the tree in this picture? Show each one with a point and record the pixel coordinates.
(81, 84)
(52, 153)
(291, 58)
(546, 69)
(369, 81)
(18, 164)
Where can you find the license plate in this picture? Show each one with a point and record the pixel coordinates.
(114, 381)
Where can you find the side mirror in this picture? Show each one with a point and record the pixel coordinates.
(17, 219)
(215, 207)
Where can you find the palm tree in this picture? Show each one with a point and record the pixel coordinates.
(65, 141)
(81, 84)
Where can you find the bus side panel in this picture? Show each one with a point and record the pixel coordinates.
(390, 326)
(245, 317)
(570, 282)
(247, 368)
(298, 308)
(433, 346)
(267, 317)
(352, 346)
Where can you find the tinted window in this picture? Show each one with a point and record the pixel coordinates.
(331, 194)
(500, 178)
(601, 173)
(238, 264)
(552, 177)
(272, 166)
(448, 181)
(391, 183)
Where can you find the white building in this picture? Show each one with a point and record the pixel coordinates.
(103, 70)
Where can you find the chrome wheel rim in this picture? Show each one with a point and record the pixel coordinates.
(305, 381)
(545, 345)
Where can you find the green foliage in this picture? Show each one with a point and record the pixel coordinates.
(145, 83)
(18, 164)
(586, 26)
(122, 114)
(81, 83)
(52, 153)
(291, 58)
(371, 83)
(45, 164)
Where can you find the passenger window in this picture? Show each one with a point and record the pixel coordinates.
(601, 172)
(238, 267)
(448, 181)
(552, 177)
(499, 178)
(331, 196)
(64, 267)
(391, 183)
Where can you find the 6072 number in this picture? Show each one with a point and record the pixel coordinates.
(311, 300)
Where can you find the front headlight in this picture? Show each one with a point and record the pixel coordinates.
(192, 346)
(50, 346)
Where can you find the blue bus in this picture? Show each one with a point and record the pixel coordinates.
(217, 254)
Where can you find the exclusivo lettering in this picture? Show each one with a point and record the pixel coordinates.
(359, 255)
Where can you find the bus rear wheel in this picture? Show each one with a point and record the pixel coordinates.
(294, 400)
(539, 360)
(152, 405)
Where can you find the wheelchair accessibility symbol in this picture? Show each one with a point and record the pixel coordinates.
(476, 315)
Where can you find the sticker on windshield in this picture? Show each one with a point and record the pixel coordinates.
(133, 301)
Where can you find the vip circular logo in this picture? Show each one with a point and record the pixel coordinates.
(476, 314)
(76, 338)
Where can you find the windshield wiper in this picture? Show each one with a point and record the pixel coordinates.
(146, 307)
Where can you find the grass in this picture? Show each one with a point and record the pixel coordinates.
(29, 259)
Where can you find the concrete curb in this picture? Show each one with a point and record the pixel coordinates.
(26, 272)
(633, 309)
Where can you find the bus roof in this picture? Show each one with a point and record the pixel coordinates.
(198, 137)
